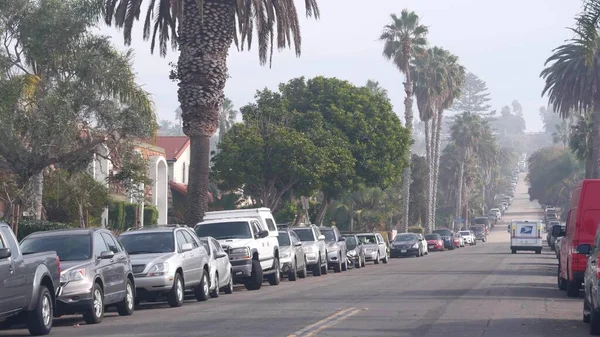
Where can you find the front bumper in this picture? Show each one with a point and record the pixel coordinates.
(435, 247)
(286, 265)
(333, 257)
(241, 269)
(371, 255)
(153, 283)
(75, 298)
(404, 252)
(312, 259)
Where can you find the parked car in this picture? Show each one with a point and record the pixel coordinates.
(469, 237)
(355, 250)
(582, 221)
(448, 237)
(480, 232)
(313, 243)
(551, 238)
(95, 271)
(375, 247)
(558, 245)
(406, 244)
(591, 298)
(434, 242)
(219, 267)
(291, 253)
(253, 251)
(423, 243)
(336, 249)
(29, 285)
(458, 240)
(485, 221)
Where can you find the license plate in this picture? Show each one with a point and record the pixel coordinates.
(431, 246)
(402, 250)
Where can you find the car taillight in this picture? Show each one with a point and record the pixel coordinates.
(58, 264)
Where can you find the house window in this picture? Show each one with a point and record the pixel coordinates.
(183, 177)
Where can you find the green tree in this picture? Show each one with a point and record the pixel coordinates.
(204, 31)
(474, 96)
(580, 140)
(404, 38)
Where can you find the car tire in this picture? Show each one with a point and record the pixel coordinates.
(325, 266)
(175, 296)
(594, 322)
(514, 251)
(228, 289)
(317, 268)
(587, 313)
(345, 264)
(358, 265)
(275, 277)
(386, 259)
(539, 251)
(303, 273)
(215, 292)
(573, 288)
(293, 274)
(95, 313)
(337, 268)
(364, 262)
(127, 305)
(39, 320)
(256, 277)
(377, 259)
(561, 282)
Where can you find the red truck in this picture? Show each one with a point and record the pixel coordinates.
(582, 224)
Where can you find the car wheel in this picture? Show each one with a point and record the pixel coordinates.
(215, 292)
(345, 264)
(275, 277)
(377, 259)
(594, 322)
(302, 273)
(337, 268)
(317, 268)
(364, 262)
(539, 251)
(573, 288)
(126, 307)
(386, 259)
(325, 266)
(175, 297)
(256, 277)
(586, 311)
(95, 313)
(228, 289)
(293, 276)
(39, 320)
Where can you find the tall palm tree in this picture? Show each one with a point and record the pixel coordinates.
(204, 31)
(376, 88)
(572, 83)
(227, 117)
(404, 38)
(580, 141)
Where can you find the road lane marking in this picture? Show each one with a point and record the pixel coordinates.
(334, 322)
(329, 318)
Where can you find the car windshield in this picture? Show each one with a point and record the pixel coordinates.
(225, 230)
(329, 235)
(148, 243)
(368, 239)
(305, 234)
(432, 237)
(350, 242)
(481, 221)
(284, 239)
(67, 247)
(477, 229)
(405, 237)
(464, 233)
(443, 232)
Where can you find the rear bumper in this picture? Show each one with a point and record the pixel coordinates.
(526, 248)
(408, 252)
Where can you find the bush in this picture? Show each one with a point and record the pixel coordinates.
(27, 227)
(416, 229)
(121, 215)
(150, 215)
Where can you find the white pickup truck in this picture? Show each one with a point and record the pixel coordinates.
(249, 236)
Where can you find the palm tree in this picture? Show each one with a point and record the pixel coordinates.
(376, 88)
(580, 141)
(227, 117)
(204, 31)
(404, 38)
(572, 83)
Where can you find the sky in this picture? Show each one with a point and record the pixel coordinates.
(505, 43)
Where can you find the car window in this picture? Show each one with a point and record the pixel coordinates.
(271, 225)
(206, 246)
(255, 227)
(7, 232)
(2, 245)
(111, 243)
(99, 245)
(180, 240)
(190, 239)
(217, 245)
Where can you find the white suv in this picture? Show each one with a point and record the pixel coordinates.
(253, 251)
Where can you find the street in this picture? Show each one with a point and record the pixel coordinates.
(482, 290)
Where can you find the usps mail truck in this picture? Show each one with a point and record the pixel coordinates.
(526, 235)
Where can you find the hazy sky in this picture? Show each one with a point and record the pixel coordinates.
(503, 42)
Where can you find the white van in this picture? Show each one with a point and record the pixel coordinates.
(526, 235)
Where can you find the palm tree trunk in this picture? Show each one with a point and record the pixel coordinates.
(202, 72)
(37, 189)
(322, 210)
(406, 176)
(459, 191)
(436, 158)
(429, 160)
(596, 141)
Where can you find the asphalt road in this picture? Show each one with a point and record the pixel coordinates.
(473, 291)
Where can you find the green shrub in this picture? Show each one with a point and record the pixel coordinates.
(416, 229)
(27, 227)
(150, 215)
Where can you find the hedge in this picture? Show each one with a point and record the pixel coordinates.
(416, 229)
(121, 215)
(27, 227)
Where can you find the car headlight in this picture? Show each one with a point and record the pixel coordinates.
(352, 253)
(334, 248)
(309, 249)
(286, 255)
(416, 245)
(243, 251)
(159, 269)
(72, 275)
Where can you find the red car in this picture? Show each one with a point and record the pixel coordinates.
(434, 242)
(458, 241)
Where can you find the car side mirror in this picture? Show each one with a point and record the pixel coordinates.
(5, 253)
(221, 255)
(298, 244)
(261, 234)
(557, 231)
(584, 249)
(342, 239)
(321, 237)
(186, 247)
(106, 255)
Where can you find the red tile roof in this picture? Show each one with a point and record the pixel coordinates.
(182, 189)
(174, 145)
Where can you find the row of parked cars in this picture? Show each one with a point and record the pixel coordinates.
(85, 271)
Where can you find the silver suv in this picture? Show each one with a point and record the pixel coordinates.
(336, 249)
(166, 260)
(315, 248)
